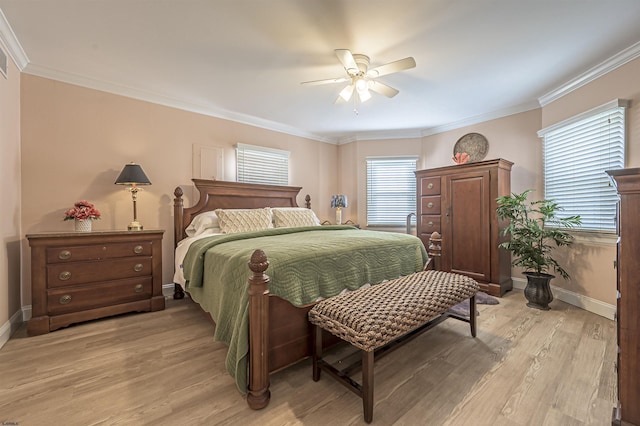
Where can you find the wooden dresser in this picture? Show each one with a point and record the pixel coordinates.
(459, 202)
(80, 276)
(627, 182)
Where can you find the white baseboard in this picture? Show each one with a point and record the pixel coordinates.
(26, 313)
(10, 326)
(587, 303)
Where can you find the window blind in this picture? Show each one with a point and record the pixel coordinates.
(391, 190)
(575, 154)
(256, 164)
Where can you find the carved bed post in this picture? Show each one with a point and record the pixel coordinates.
(307, 201)
(178, 204)
(435, 250)
(258, 393)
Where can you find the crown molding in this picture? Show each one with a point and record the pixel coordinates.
(156, 98)
(10, 43)
(417, 133)
(619, 59)
(381, 135)
(493, 115)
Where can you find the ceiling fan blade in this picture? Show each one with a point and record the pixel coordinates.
(391, 67)
(326, 81)
(345, 94)
(346, 58)
(383, 89)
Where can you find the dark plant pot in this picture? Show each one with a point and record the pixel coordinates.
(538, 290)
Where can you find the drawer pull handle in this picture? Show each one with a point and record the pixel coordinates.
(137, 249)
(430, 185)
(65, 299)
(138, 267)
(64, 275)
(138, 288)
(430, 205)
(430, 224)
(64, 255)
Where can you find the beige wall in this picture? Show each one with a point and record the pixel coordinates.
(75, 142)
(10, 184)
(515, 138)
(512, 138)
(353, 174)
(590, 263)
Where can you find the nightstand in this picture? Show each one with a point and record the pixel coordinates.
(80, 276)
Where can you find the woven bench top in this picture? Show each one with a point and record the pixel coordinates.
(371, 317)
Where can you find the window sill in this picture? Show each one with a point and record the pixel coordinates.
(595, 238)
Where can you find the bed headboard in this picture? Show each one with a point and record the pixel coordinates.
(219, 194)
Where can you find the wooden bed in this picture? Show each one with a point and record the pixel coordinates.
(279, 333)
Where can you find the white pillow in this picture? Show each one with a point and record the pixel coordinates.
(243, 220)
(288, 217)
(201, 223)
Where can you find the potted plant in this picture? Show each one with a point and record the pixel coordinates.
(535, 229)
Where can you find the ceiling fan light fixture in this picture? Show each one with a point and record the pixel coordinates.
(362, 78)
(364, 95)
(347, 92)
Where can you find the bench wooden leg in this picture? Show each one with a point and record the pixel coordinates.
(367, 385)
(472, 314)
(317, 351)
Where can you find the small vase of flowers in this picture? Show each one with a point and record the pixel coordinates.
(82, 213)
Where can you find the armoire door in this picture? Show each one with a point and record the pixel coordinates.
(466, 248)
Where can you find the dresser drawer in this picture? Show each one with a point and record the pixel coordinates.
(430, 186)
(67, 274)
(89, 296)
(430, 205)
(429, 224)
(98, 251)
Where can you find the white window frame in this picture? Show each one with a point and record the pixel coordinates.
(261, 165)
(387, 206)
(576, 153)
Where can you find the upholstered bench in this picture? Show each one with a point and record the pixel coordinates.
(376, 317)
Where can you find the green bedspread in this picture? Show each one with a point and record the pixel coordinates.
(304, 264)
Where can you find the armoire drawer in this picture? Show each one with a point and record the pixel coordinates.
(429, 224)
(430, 185)
(89, 296)
(430, 205)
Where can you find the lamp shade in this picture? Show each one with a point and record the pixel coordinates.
(132, 174)
(338, 201)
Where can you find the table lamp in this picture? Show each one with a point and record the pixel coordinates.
(338, 202)
(133, 175)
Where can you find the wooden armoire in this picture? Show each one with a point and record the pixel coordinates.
(627, 182)
(460, 203)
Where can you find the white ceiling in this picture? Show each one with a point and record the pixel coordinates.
(244, 59)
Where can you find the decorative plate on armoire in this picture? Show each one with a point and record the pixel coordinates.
(474, 144)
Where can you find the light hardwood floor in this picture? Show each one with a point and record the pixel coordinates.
(526, 367)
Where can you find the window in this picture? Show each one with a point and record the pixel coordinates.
(256, 164)
(391, 190)
(577, 151)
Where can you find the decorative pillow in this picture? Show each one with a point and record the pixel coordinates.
(294, 216)
(242, 220)
(201, 223)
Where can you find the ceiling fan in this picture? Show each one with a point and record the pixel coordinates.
(362, 79)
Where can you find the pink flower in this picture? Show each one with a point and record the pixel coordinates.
(82, 210)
